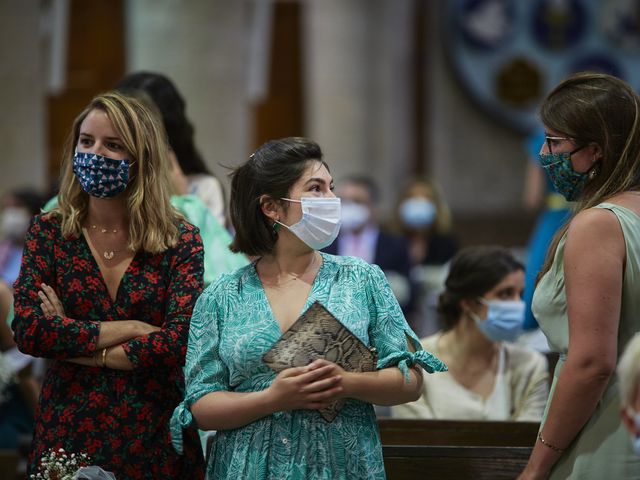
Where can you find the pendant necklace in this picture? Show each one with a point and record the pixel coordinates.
(107, 254)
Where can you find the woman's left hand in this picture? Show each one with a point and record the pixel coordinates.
(51, 304)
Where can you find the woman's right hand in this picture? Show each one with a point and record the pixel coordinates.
(305, 388)
(143, 328)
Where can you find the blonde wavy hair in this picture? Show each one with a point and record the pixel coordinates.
(153, 222)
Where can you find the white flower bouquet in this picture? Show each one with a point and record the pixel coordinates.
(60, 465)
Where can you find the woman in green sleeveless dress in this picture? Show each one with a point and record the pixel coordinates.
(268, 425)
(587, 300)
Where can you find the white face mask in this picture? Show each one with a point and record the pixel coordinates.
(320, 222)
(14, 222)
(354, 216)
(418, 212)
(635, 439)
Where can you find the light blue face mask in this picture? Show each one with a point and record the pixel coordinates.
(417, 212)
(635, 439)
(504, 319)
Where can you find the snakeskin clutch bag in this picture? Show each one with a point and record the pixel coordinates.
(318, 334)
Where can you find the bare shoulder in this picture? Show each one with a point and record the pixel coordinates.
(600, 222)
(595, 229)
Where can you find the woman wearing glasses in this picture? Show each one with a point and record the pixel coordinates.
(586, 300)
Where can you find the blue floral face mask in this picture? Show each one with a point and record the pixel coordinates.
(564, 178)
(101, 176)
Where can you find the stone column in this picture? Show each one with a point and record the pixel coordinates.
(358, 86)
(22, 124)
(201, 46)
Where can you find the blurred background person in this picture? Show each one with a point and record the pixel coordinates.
(553, 211)
(196, 193)
(18, 207)
(424, 219)
(19, 387)
(361, 235)
(180, 133)
(629, 384)
(489, 378)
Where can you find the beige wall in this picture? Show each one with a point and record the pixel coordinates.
(357, 59)
(22, 123)
(202, 48)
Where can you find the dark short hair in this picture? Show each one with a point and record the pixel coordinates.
(365, 182)
(271, 170)
(172, 108)
(473, 272)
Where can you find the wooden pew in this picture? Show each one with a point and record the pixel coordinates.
(457, 433)
(9, 460)
(455, 450)
(408, 462)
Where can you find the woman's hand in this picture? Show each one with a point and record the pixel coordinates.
(312, 387)
(51, 304)
(143, 328)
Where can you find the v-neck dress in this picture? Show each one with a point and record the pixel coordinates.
(119, 418)
(603, 448)
(231, 329)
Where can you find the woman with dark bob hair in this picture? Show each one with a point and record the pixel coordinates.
(586, 300)
(268, 425)
(489, 378)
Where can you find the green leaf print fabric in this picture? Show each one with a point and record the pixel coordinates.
(233, 326)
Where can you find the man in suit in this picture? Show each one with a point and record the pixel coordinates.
(361, 236)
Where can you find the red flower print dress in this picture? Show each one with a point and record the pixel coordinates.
(119, 418)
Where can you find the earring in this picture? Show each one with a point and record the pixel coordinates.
(275, 228)
(593, 174)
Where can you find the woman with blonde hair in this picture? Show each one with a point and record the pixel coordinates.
(106, 289)
(424, 219)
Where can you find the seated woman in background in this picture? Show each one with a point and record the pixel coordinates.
(423, 218)
(488, 378)
(629, 386)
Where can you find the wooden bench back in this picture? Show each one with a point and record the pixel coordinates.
(408, 462)
(457, 433)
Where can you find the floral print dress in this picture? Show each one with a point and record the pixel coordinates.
(231, 329)
(119, 418)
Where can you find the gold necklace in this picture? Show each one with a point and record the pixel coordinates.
(107, 254)
(294, 276)
(104, 230)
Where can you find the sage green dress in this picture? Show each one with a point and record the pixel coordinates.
(231, 329)
(602, 450)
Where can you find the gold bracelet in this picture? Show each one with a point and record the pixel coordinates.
(547, 444)
(104, 358)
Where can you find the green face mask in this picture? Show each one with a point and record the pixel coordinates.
(564, 178)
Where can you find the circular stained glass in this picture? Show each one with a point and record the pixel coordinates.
(508, 54)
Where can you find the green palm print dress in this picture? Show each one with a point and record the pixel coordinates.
(233, 326)
(602, 449)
